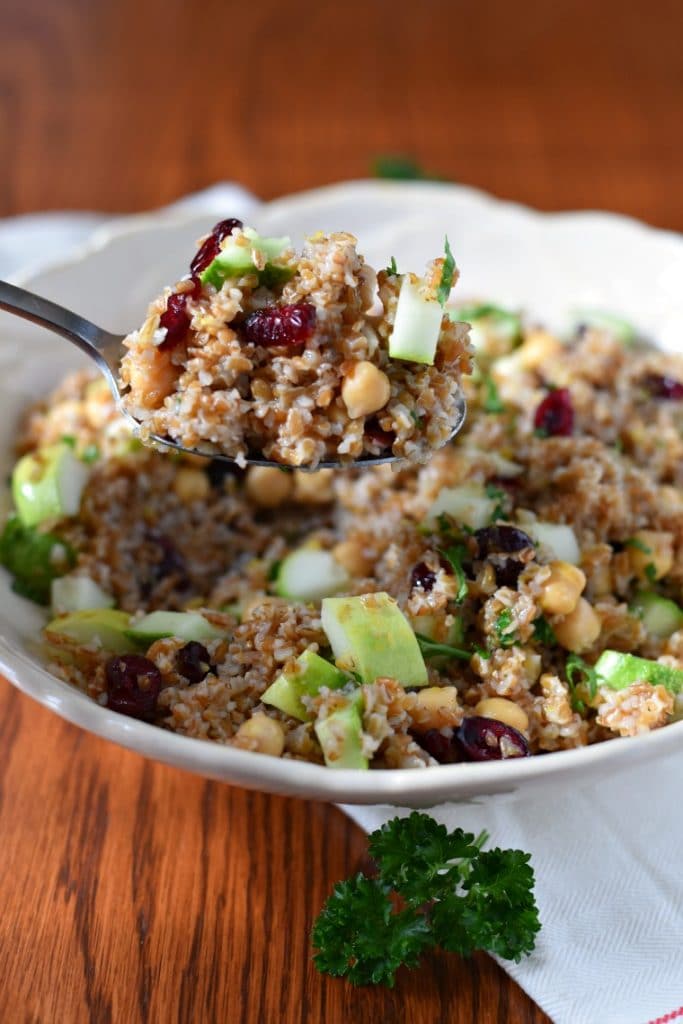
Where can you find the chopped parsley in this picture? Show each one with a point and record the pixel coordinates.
(447, 275)
(499, 496)
(544, 632)
(492, 402)
(274, 570)
(505, 636)
(433, 649)
(651, 572)
(580, 674)
(417, 419)
(392, 269)
(434, 888)
(68, 439)
(454, 555)
(638, 545)
(90, 453)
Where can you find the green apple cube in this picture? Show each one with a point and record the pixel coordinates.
(371, 638)
(341, 736)
(659, 615)
(618, 670)
(235, 258)
(310, 674)
(417, 324)
(467, 504)
(48, 484)
(559, 539)
(309, 574)
(104, 628)
(184, 625)
(77, 594)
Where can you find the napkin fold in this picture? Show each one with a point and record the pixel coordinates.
(608, 856)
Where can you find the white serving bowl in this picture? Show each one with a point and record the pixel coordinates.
(547, 264)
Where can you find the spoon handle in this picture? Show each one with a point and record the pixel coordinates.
(100, 345)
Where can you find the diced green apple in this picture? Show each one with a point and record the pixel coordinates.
(659, 615)
(104, 628)
(48, 484)
(559, 539)
(371, 638)
(341, 736)
(77, 594)
(467, 504)
(618, 670)
(309, 574)
(417, 324)
(184, 625)
(310, 674)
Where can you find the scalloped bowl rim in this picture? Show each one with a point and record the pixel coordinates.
(407, 787)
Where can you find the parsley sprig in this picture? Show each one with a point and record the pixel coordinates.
(434, 888)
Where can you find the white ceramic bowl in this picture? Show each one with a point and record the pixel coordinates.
(548, 264)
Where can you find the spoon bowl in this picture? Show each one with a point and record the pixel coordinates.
(106, 350)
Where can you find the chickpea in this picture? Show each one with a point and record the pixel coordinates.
(261, 733)
(505, 711)
(562, 589)
(365, 390)
(313, 488)
(435, 707)
(651, 554)
(268, 486)
(191, 484)
(537, 347)
(580, 629)
(350, 554)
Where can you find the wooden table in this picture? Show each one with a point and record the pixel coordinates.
(131, 891)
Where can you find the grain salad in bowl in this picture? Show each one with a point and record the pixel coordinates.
(301, 359)
(519, 594)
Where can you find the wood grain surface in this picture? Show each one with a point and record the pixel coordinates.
(131, 891)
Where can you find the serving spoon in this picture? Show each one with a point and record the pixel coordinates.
(106, 350)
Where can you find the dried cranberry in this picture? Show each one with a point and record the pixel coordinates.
(508, 572)
(175, 319)
(422, 576)
(193, 661)
(442, 748)
(210, 248)
(383, 438)
(280, 325)
(219, 469)
(665, 387)
(555, 415)
(491, 539)
(485, 739)
(133, 685)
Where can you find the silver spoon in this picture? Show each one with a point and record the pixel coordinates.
(107, 350)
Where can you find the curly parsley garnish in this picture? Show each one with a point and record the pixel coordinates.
(434, 888)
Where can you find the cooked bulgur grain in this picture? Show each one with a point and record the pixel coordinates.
(534, 526)
(292, 358)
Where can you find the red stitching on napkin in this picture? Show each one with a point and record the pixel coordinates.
(668, 1016)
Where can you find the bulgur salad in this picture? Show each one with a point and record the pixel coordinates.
(298, 358)
(518, 594)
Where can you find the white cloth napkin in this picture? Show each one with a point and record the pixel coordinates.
(608, 857)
